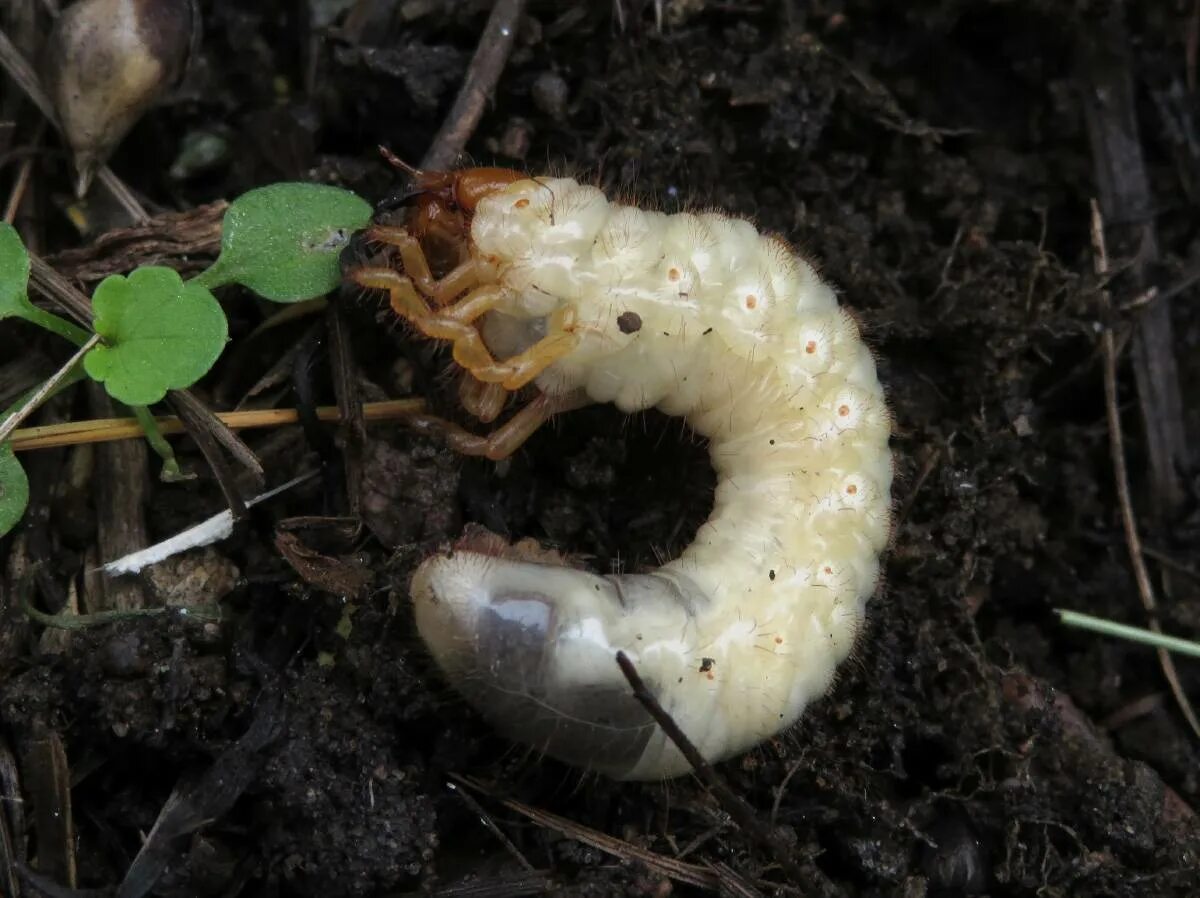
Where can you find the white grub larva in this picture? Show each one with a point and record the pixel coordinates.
(702, 317)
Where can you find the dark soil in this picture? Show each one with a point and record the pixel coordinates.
(934, 158)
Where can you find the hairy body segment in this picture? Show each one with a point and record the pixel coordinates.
(550, 284)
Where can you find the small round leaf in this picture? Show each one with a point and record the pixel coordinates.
(159, 334)
(14, 489)
(14, 272)
(14, 295)
(283, 241)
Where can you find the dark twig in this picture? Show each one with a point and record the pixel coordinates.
(12, 822)
(21, 184)
(477, 809)
(122, 493)
(352, 429)
(681, 871)
(54, 286)
(1170, 561)
(1190, 46)
(491, 55)
(49, 786)
(200, 430)
(1124, 188)
(737, 808)
(1116, 443)
(204, 797)
(932, 459)
(198, 416)
(1186, 281)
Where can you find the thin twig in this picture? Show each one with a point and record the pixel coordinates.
(1116, 445)
(736, 807)
(1186, 281)
(21, 72)
(681, 871)
(485, 818)
(352, 432)
(1134, 710)
(1173, 563)
(48, 386)
(1191, 42)
(932, 460)
(103, 430)
(199, 422)
(491, 55)
(21, 184)
(54, 286)
(197, 416)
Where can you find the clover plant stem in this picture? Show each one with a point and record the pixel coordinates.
(158, 442)
(1133, 634)
(211, 277)
(43, 392)
(200, 613)
(56, 325)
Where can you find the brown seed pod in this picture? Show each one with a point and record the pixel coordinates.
(107, 62)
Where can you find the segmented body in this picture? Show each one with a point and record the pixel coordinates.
(700, 316)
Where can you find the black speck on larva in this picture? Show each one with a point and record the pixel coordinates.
(706, 664)
(629, 322)
(771, 574)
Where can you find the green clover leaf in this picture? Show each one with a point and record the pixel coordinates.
(159, 334)
(283, 241)
(14, 296)
(14, 271)
(14, 489)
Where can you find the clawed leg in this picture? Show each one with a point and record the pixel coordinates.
(442, 291)
(483, 401)
(472, 353)
(455, 324)
(510, 436)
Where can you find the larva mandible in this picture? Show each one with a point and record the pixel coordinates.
(700, 316)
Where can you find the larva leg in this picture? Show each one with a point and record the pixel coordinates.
(483, 401)
(454, 324)
(506, 439)
(405, 300)
(416, 266)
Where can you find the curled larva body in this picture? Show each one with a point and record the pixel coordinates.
(699, 316)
